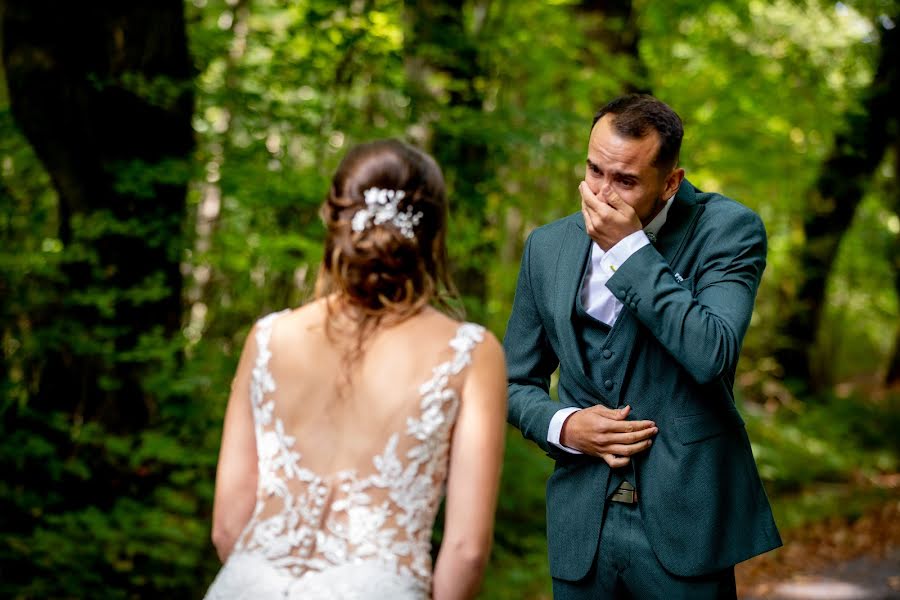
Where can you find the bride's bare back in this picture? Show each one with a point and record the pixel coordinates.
(352, 465)
(341, 419)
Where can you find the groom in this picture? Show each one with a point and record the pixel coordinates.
(642, 299)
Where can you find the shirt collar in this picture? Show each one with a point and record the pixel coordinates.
(653, 227)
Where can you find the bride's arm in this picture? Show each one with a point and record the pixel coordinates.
(236, 473)
(476, 454)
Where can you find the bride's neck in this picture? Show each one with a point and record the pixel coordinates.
(347, 317)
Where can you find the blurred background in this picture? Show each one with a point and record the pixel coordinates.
(161, 168)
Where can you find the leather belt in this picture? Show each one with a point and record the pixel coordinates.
(625, 494)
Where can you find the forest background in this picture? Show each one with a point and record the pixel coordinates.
(161, 168)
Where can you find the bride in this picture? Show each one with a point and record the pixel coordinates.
(351, 416)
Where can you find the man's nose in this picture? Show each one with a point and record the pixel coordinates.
(605, 188)
(599, 188)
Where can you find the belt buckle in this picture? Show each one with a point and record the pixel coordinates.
(625, 495)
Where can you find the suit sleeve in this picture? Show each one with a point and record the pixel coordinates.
(701, 324)
(530, 361)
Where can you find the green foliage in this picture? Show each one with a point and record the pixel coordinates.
(827, 440)
(147, 534)
(863, 305)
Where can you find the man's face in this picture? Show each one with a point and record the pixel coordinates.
(625, 166)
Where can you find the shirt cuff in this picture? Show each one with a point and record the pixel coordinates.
(555, 429)
(622, 251)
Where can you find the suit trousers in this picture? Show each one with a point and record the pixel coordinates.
(625, 567)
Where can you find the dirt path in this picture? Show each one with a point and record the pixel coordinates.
(834, 560)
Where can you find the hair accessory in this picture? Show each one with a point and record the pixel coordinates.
(382, 206)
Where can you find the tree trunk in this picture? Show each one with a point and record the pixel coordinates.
(102, 91)
(440, 43)
(892, 377)
(614, 38)
(830, 207)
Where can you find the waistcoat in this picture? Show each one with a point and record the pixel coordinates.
(603, 350)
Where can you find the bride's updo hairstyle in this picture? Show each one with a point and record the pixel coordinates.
(379, 269)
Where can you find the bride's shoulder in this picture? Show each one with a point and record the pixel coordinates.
(479, 358)
(313, 312)
(469, 337)
(290, 324)
(442, 326)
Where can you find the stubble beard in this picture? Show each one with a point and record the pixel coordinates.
(657, 207)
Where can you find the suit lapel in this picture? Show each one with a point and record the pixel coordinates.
(679, 224)
(569, 271)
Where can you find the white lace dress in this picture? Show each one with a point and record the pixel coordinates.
(358, 533)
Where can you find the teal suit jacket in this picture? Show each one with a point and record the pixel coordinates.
(701, 499)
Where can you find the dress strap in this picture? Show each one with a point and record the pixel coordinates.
(264, 328)
(468, 335)
(261, 380)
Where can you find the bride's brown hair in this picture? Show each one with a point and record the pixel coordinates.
(379, 274)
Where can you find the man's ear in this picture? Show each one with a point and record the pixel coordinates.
(673, 181)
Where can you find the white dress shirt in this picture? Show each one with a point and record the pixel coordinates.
(599, 301)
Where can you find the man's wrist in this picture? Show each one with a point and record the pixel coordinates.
(562, 431)
(554, 432)
(622, 251)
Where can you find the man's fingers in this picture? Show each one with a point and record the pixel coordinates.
(614, 200)
(617, 414)
(587, 216)
(631, 437)
(591, 202)
(639, 429)
(615, 461)
(587, 196)
(609, 424)
(609, 428)
(628, 449)
(589, 209)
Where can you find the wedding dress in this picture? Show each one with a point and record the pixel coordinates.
(361, 532)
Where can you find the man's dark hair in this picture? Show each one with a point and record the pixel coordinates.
(636, 115)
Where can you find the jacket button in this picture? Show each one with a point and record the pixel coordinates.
(633, 304)
(607, 353)
(608, 384)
